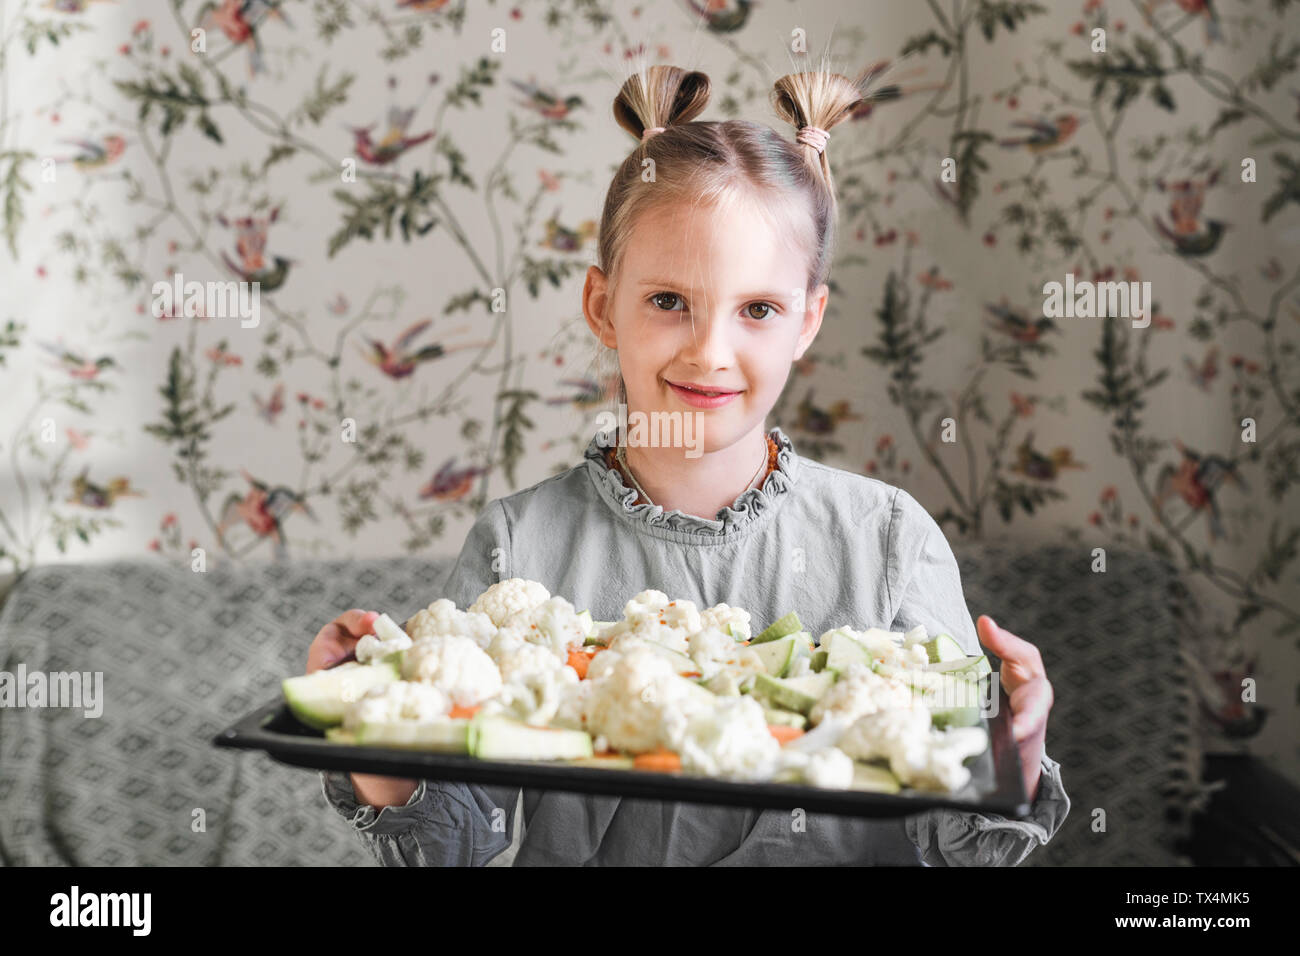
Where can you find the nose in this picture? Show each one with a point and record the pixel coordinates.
(708, 341)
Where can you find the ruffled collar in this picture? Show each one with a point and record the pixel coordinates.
(749, 508)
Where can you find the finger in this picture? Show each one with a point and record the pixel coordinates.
(1022, 655)
(1030, 705)
(339, 637)
(331, 645)
(357, 622)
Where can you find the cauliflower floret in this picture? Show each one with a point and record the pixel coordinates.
(829, 767)
(884, 647)
(890, 647)
(553, 624)
(823, 765)
(918, 755)
(652, 616)
(534, 696)
(728, 619)
(456, 665)
(506, 597)
(443, 617)
(387, 639)
(572, 709)
(859, 691)
(644, 604)
(712, 649)
(730, 739)
(628, 635)
(637, 702)
(398, 700)
(916, 635)
(516, 656)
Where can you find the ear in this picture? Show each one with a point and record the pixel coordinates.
(812, 318)
(597, 306)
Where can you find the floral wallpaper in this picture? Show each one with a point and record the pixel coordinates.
(415, 186)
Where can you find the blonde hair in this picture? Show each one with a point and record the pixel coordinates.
(703, 163)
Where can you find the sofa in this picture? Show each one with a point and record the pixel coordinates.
(185, 654)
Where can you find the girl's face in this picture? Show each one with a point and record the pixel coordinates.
(708, 296)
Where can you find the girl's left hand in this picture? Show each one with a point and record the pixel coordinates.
(1030, 693)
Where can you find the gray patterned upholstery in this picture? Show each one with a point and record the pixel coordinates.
(185, 654)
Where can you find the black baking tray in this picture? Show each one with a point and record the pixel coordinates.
(996, 784)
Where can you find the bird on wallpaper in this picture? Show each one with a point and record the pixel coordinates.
(90, 495)
(394, 142)
(1204, 372)
(546, 102)
(589, 393)
(817, 421)
(250, 244)
(1017, 325)
(263, 509)
(1198, 243)
(270, 408)
(722, 16)
(69, 6)
(268, 279)
(1196, 479)
(401, 358)
(95, 155)
(1196, 8)
(78, 365)
(422, 6)
(1034, 464)
(1187, 198)
(450, 483)
(1046, 133)
(562, 239)
(240, 20)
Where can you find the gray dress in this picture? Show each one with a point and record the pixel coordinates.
(836, 547)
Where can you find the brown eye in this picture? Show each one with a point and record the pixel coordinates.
(658, 298)
(760, 305)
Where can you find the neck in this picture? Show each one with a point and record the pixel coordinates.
(700, 486)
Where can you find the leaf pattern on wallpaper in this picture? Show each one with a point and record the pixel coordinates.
(314, 145)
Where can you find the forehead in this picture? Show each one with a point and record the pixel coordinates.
(740, 242)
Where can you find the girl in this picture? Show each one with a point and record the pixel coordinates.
(730, 225)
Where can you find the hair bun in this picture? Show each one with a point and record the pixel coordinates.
(657, 97)
(816, 101)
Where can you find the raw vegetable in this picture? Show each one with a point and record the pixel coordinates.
(784, 732)
(777, 656)
(664, 761)
(797, 694)
(779, 628)
(499, 738)
(440, 736)
(318, 699)
(943, 648)
(876, 779)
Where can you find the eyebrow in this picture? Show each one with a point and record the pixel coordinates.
(671, 284)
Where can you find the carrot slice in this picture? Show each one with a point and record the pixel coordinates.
(578, 660)
(665, 761)
(463, 711)
(783, 733)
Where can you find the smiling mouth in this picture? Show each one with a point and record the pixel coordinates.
(700, 391)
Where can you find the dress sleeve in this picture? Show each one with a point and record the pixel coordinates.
(958, 838)
(443, 824)
(924, 579)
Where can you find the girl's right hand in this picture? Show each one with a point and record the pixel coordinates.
(331, 644)
(339, 638)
